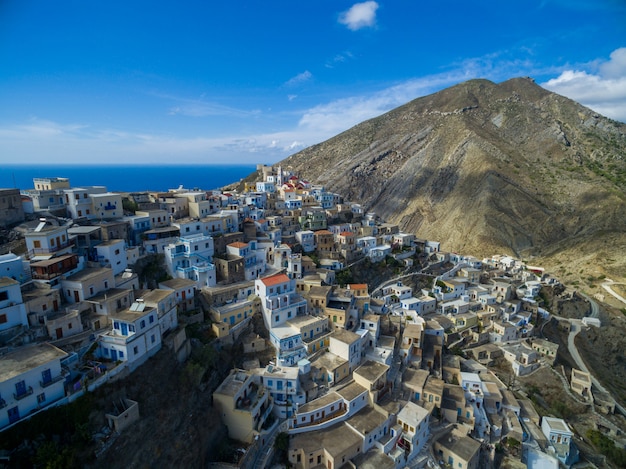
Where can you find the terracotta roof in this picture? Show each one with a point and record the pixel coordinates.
(358, 286)
(346, 233)
(239, 244)
(323, 232)
(275, 279)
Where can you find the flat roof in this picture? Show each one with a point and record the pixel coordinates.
(374, 459)
(87, 229)
(335, 440)
(415, 378)
(329, 361)
(351, 391)
(320, 402)
(129, 316)
(88, 273)
(8, 281)
(557, 424)
(463, 446)
(233, 383)
(366, 420)
(176, 283)
(347, 337)
(434, 385)
(300, 321)
(156, 295)
(110, 242)
(110, 294)
(371, 370)
(26, 358)
(413, 412)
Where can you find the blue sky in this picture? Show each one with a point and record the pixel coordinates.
(253, 82)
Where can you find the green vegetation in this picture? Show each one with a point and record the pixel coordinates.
(607, 447)
(129, 205)
(151, 270)
(344, 277)
(57, 434)
(281, 445)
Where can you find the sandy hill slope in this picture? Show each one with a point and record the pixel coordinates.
(488, 168)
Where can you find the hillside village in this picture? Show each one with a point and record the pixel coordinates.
(359, 376)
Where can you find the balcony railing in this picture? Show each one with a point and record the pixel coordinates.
(45, 384)
(26, 393)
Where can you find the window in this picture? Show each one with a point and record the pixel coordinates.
(116, 325)
(135, 350)
(106, 352)
(151, 319)
(41, 398)
(37, 243)
(69, 326)
(152, 338)
(143, 323)
(131, 327)
(121, 354)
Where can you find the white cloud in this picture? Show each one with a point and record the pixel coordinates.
(338, 59)
(291, 97)
(299, 78)
(603, 90)
(360, 15)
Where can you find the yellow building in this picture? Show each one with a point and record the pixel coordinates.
(244, 405)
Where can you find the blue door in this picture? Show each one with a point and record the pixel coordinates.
(46, 376)
(124, 328)
(20, 388)
(114, 355)
(14, 414)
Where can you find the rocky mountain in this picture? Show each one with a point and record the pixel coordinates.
(488, 168)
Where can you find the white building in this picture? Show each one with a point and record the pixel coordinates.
(165, 303)
(347, 345)
(135, 335)
(30, 379)
(106, 205)
(283, 384)
(191, 258)
(307, 239)
(87, 283)
(413, 419)
(112, 254)
(12, 309)
(279, 299)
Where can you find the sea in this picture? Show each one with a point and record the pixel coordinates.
(128, 178)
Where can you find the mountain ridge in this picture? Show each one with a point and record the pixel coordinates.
(485, 168)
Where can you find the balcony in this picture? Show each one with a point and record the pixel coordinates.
(50, 249)
(45, 384)
(27, 392)
(3, 403)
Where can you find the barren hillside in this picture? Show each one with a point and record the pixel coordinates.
(488, 168)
